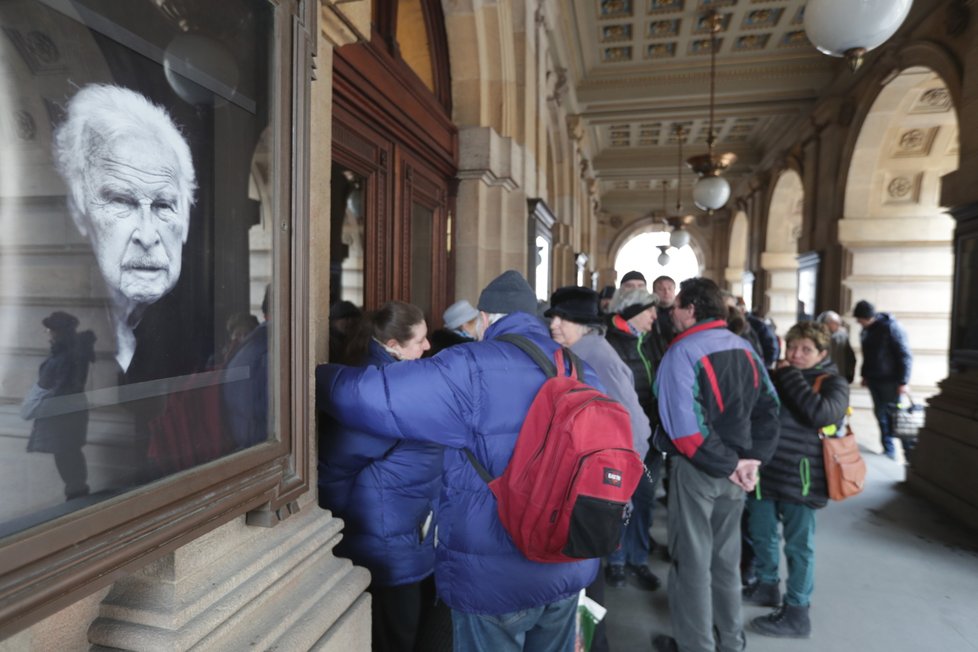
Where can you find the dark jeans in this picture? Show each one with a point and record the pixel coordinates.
(884, 392)
(798, 524)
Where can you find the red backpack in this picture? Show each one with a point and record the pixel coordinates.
(563, 494)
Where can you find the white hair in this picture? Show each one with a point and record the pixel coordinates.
(102, 113)
(633, 297)
(829, 316)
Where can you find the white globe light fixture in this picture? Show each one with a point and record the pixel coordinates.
(679, 238)
(663, 257)
(711, 192)
(850, 28)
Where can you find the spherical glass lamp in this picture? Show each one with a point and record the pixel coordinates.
(850, 28)
(711, 193)
(663, 257)
(679, 238)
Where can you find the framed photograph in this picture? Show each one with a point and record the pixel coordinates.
(146, 220)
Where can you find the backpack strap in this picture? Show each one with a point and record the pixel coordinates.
(549, 368)
(539, 357)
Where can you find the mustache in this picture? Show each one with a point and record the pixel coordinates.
(145, 263)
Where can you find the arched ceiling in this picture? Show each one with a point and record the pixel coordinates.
(639, 67)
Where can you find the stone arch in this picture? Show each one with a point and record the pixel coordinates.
(482, 48)
(780, 257)
(737, 253)
(654, 225)
(893, 228)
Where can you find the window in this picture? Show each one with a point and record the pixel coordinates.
(146, 279)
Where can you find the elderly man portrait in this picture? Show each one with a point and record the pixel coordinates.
(130, 180)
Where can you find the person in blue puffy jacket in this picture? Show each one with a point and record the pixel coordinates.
(475, 397)
(385, 489)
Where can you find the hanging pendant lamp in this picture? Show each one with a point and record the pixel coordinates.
(711, 191)
(850, 28)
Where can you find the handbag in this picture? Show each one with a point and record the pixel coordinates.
(32, 402)
(845, 469)
(906, 417)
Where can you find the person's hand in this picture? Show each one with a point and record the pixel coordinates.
(903, 389)
(745, 475)
(782, 364)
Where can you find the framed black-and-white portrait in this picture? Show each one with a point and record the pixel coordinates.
(147, 200)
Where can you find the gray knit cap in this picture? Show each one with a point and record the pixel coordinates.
(508, 292)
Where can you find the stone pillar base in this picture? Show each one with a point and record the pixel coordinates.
(240, 588)
(944, 462)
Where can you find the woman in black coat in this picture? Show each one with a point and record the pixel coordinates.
(814, 399)
(61, 416)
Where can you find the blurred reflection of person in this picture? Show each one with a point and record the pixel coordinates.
(131, 184)
(244, 394)
(57, 402)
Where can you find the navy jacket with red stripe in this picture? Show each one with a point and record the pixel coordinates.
(716, 401)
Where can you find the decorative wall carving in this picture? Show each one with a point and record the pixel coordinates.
(903, 189)
(933, 100)
(915, 142)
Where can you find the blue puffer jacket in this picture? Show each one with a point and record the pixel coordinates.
(384, 489)
(471, 396)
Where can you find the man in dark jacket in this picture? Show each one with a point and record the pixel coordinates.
(664, 288)
(473, 397)
(719, 422)
(886, 365)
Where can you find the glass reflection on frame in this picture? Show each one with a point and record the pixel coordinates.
(136, 207)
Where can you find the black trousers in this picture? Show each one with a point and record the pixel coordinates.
(408, 618)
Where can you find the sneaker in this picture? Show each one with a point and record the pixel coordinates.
(646, 579)
(790, 621)
(614, 575)
(663, 643)
(765, 594)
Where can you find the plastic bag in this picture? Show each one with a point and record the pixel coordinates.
(589, 614)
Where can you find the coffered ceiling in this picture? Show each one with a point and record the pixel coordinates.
(637, 68)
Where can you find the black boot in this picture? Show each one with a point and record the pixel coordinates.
(765, 594)
(789, 621)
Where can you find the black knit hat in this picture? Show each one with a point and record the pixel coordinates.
(607, 292)
(632, 276)
(509, 292)
(864, 310)
(576, 304)
(60, 322)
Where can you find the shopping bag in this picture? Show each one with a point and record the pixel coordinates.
(906, 417)
(589, 614)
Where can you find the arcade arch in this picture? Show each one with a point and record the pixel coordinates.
(894, 229)
(638, 249)
(736, 272)
(780, 257)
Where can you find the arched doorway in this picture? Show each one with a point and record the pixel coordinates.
(640, 247)
(780, 257)
(738, 278)
(895, 232)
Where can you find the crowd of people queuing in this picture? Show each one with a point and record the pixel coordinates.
(726, 415)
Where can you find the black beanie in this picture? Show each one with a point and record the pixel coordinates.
(508, 292)
(632, 276)
(864, 310)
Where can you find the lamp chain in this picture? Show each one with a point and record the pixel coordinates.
(714, 19)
